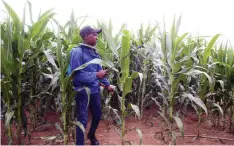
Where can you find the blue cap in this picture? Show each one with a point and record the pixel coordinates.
(87, 29)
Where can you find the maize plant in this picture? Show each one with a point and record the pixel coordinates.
(118, 54)
(205, 76)
(16, 43)
(223, 70)
(125, 81)
(172, 65)
(142, 62)
(66, 40)
(178, 64)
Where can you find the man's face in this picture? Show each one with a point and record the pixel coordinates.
(91, 39)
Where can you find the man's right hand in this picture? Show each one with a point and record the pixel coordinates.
(101, 74)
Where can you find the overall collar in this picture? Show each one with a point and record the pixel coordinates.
(89, 46)
(90, 49)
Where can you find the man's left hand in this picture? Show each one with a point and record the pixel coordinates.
(110, 88)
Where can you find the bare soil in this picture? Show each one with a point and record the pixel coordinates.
(152, 127)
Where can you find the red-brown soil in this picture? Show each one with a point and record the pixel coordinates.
(151, 125)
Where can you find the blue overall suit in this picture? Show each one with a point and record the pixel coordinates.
(86, 78)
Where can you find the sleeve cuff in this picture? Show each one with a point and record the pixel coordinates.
(105, 82)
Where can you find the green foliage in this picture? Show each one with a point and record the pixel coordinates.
(149, 66)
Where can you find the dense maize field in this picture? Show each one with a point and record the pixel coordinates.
(151, 68)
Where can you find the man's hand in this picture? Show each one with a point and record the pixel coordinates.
(110, 88)
(101, 74)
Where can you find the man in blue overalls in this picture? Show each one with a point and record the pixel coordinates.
(89, 77)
